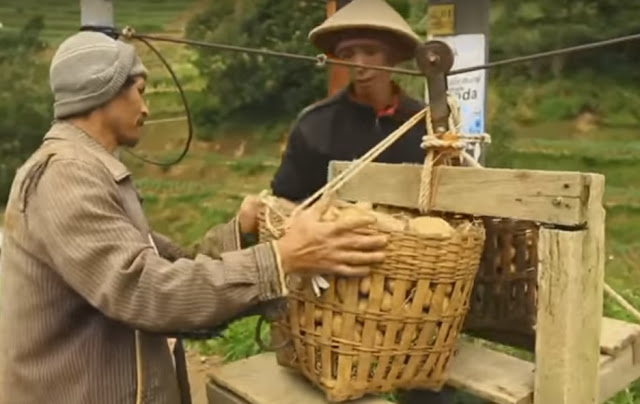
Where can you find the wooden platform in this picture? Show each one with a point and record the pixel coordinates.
(481, 371)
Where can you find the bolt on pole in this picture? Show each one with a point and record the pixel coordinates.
(464, 25)
(97, 15)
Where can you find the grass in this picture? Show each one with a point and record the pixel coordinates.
(63, 18)
(205, 189)
(208, 187)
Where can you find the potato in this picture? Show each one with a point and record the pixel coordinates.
(427, 299)
(336, 325)
(428, 225)
(390, 285)
(386, 302)
(341, 288)
(354, 212)
(389, 223)
(362, 305)
(364, 205)
(330, 215)
(365, 285)
(379, 338)
(357, 332)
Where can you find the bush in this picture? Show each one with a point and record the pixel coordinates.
(25, 99)
(240, 84)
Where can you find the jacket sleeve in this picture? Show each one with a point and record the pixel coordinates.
(167, 248)
(302, 170)
(220, 239)
(87, 237)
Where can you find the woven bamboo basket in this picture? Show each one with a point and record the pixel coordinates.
(504, 298)
(397, 328)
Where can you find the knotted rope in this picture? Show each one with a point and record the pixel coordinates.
(441, 148)
(444, 146)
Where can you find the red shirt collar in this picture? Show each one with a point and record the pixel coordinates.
(391, 109)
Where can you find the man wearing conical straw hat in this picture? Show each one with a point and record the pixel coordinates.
(348, 124)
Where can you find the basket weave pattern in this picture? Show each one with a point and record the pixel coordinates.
(504, 298)
(397, 328)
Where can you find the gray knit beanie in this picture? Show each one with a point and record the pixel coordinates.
(88, 69)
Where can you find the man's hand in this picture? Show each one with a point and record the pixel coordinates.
(248, 214)
(313, 247)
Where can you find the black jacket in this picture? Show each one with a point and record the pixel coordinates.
(339, 128)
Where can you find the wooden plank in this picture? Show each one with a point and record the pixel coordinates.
(541, 196)
(569, 317)
(617, 335)
(260, 380)
(217, 394)
(492, 375)
(619, 372)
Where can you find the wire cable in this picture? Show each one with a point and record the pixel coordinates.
(187, 145)
(322, 59)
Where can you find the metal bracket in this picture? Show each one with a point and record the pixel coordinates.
(435, 59)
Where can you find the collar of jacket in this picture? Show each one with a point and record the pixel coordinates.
(65, 131)
(404, 108)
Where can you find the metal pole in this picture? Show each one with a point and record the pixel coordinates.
(338, 75)
(464, 25)
(97, 15)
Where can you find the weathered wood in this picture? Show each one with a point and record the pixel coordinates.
(259, 380)
(569, 316)
(479, 370)
(541, 196)
(617, 373)
(617, 335)
(217, 394)
(492, 375)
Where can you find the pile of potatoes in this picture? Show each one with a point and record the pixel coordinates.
(434, 298)
(390, 219)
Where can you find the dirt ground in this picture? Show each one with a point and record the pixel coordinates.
(199, 367)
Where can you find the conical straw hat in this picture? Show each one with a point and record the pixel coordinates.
(366, 15)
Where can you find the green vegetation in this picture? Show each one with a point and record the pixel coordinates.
(575, 113)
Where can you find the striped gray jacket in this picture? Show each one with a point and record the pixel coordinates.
(80, 275)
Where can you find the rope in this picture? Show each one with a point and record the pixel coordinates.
(358, 164)
(622, 301)
(322, 60)
(445, 146)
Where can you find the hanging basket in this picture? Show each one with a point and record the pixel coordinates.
(397, 328)
(504, 298)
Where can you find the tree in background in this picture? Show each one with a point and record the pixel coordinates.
(239, 84)
(25, 104)
(259, 86)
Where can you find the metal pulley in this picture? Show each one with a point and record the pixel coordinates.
(435, 60)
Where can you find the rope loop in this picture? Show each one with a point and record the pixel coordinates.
(128, 32)
(321, 60)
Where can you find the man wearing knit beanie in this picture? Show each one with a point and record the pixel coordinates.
(89, 70)
(89, 292)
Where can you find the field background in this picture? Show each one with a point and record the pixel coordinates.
(205, 189)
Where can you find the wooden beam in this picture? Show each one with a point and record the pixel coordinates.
(245, 380)
(542, 196)
(617, 335)
(619, 372)
(492, 375)
(570, 284)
